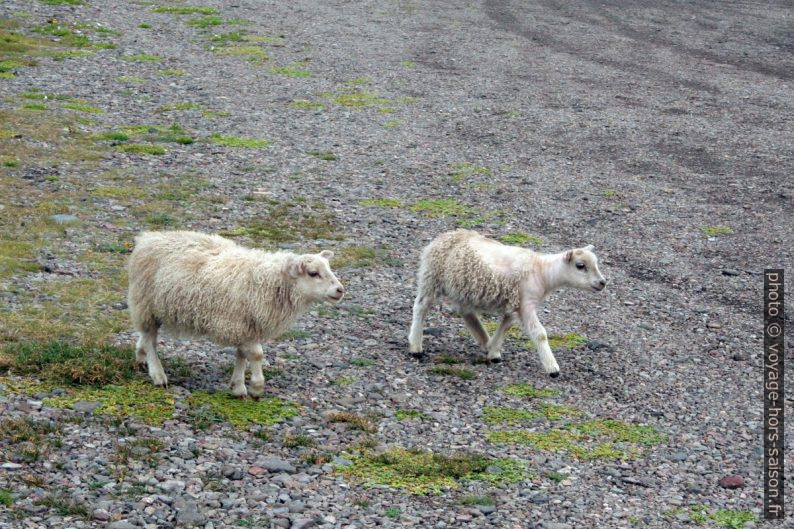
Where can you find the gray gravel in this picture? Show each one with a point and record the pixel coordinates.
(627, 125)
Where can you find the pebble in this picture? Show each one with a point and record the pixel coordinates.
(731, 481)
(539, 498)
(84, 406)
(274, 464)
(302, 523)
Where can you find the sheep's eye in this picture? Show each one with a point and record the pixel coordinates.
(314, 274)
(581, 266)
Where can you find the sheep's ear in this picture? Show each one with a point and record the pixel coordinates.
(568, 256)
(297, 267)
(589, 248)
(327, 254)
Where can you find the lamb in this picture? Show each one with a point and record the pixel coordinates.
(478, 274)
(194, 284)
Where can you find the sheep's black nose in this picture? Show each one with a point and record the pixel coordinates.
(340, 290)
(603, 282)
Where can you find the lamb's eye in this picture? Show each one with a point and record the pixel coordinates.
(314, 274)
(581, 266)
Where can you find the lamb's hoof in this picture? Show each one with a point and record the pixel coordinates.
(419, 355)
(239, 393)
(497, 360)
(256, 392)
(555, 374)
(161, 381)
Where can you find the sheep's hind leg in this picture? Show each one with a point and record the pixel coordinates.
(148, 344)
(255, 355)
(421, 307)
(494, 346)
(476, 329)
(238, 375)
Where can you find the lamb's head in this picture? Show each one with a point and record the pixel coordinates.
(581, 270)
(314, 277)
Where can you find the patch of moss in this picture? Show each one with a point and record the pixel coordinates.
(16, 256)
(205, 21)
(424, 472)
(521, 238)
(408, 64)
(77, 35)
(461, 171)
(141, 57)
(186, 10)
(729, 519)
(511, 416)
(357, 421)
(441, 207)
(172, 72)
(306, 105)
(465, 374)
(619, 431)
(290, 71)
(287, 222)
(324, 155)
(526, 390)
(244, 413)
(343, 381)
(392, 124)
(141, 148)
(237, 141)
(362, 362)
(180, 106)
(448, 359)
(83, 108)
(297, 440)
(138, 398)
(409, 415)
(358, 99)
(34, 106)
(253, 52)
(6, 499)
(570, 340)
(356, 257)
(381, 202)
(716, 230)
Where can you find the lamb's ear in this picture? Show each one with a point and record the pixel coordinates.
(589, 248)
(327, 254)
(568, 256)
(296, 267)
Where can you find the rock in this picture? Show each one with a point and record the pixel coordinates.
(256, 471)
(173, 485)
(636, 481)
(486, 509)
(10, 466)
(274, 464)
(433, 331)
(189, 515)
(731, 481)
(679, 456)
(302, 523)
(229, 472)
(493, 469)
(101, 514)
(595, 345)
(539, 498)
(739, 357)
(730, 272)
(123, 524)
(341, 462)
(84, 406)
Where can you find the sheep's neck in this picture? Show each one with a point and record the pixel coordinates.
(549, 276)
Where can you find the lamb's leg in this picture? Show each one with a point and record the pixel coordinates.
(255, 355)
(534, 329)
(148, 343)
(238, 375)
(140, 351)
(476, 329)
(494, 346)
(421, 306)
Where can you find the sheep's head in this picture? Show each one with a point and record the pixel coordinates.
(315, 280)
(581, 269)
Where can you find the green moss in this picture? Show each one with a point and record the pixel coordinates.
(381, 202)
(362, 362)
(145, 25)
(119, 193)
(448, 359)
(461, 171)
(34, 106)
(16, 256)
(511, 416)
(63, 506)
(6, 499)
(294, 441)
(139, 148)
(409, 415)
(465, 374)
(61, 55)
(205, 21)
(525, 390)
(358, 99)
(306, 105)
(324, 155)
(213, 114)
(83, 108)
(138, 398)
(172, 72)
(294, 334)
(285, 222)
(556, 476)
(392, 513)
(421, 472)
(254, 53)
(12, 163)
(290, 71)
(392, 124)
(620, 431)
(186, 10)
(356, 421)
(441, 207)
(716, 230)
(570, 340)
(141, 57)
(408, 64)
(237, 141)
(343, 381)
(356, 257)
(244, 413)
(77, 35)
(521, 238)
(66, 363)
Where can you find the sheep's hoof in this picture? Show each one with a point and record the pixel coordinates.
(419, 355)
(555, 374)
(497, 360)
(239, 393)
(256, 392)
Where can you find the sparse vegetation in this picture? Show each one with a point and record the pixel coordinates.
(459, 372)
(521, 239)
(244, 413)
(237, 141)
(357, 421)
(716, 230)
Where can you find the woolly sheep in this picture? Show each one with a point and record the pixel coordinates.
(478, 274)
(193, 284)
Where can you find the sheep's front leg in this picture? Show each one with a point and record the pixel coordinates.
(238, 375)
(534, 329)
(255, 355)
(494, 345)
(476, 329)
(147, 348)
(421, 307)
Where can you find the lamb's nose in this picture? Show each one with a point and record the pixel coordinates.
(603, 282)
(340, 290)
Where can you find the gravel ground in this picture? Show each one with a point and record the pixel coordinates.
(642, 128)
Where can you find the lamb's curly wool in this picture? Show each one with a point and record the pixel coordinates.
(204, 285)
(452, 268)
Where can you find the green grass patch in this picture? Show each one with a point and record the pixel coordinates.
(441, 207)
(186, 10)
(324, 155)
(6, 499)
(358, 99)
(12, 163)
(204, 22)
(424, 472)
(448, 359)
(145, 25)
(290, 71)
(298, 440)
(306, 105)
(570, 340)
(34, 106)
(83, 108)
(409, 415)
(141, 148)
(729, 519)
(288, 222)
(473, 501)
(294, 334)
(237, 141)
(513, 416)
(556, 476)
(61, 505)
(138, 398)
(461, 171)
(356, 257)
(244, 413)
(381, 202)
(408, 64)
(172, 72)
(521, 238)
(716, 230)
(465, 374)
(362, 362)
(356, 421)
(141, 57)
(528, 391)
(343, 381)
(119, 193)
(72, 364)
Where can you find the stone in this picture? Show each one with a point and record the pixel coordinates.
(487, 509)
(122, 524)
(101, 514)
(84, 406)
(172, 485)
(539, 498)
(302, 523)
(10, 466)
(256, 471)
(731, 481)
(274, 464)
(189, 515)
